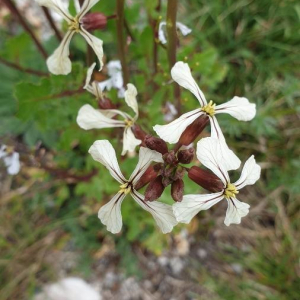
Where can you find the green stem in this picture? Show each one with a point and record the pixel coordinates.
(121, 40)
(172, 44)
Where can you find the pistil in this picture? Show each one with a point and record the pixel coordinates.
(230, 191)
(209, 108)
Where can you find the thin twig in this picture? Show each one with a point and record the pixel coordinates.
(172, 44)
(52, 23)
(11, 6)
(22, 69)
(121, 40)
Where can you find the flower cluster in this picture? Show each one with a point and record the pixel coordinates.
(158, 166)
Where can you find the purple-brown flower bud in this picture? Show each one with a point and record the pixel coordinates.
(154, 189)
(170, 158)
(206, 179)
(186, 156)
(93, 21)
(177, 189)
(193, 130)
(148, 176)
(180, 171)
(156, 144)
(106, 103)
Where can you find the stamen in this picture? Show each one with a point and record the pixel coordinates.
(128, 123)
(209, 108)
(74, 25)
(125, 188)
(230, 191)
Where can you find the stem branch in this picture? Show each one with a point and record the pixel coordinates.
(52, 24)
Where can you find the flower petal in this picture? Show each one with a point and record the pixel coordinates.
(86, 6)
(59, 62)
(183, 28)
(130, 98)
(58, 6)
(235, 211)
(161, 212)
(210, 155)
(230, 160)
(89, 74)
(12, 162)
(181, 73)
(103, 152)
(91, 118)
(129, 141)
(171, 132)
(161, 33)
(146, 156)
(191, 205)
(110, 213)
(250, 173)
(95, 43)
(239, 108)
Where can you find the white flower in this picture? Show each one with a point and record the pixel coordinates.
(238, 107)
(114, 70)
(11, 160)
(110, 214)
(209, 154)
(59, 62)
(91, 118)
(161, 33)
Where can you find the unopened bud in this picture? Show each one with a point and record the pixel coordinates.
(156, 144)
(170, 158)
(186, 156)
(206, 179)
(154, 189)
(193, 130)
(139, 133)
(177, 189)
(180, 171)
(106, 103)
(148, 176)
(93, 21)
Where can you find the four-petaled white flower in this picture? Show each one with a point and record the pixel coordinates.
(11, 160)
(239, 108)
(161, 33)
(91, 118)
(110, 214)
(210, 155)
(114, 70)
(59, 62)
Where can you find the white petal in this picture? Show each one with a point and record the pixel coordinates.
(183, 28)
(191, 205)
(12, 162)
(235, 211)
(90, 118)
(58, 6)
(110, 214)
(121, 92)
(117, 80)
(161, 33)
(59, 62)
(230, 160)
(103, 152)
(89, 75)
(172, 132)
(130, 98)
(146, 156)
(161, 212)
(129, 141)
(181, 73)
(95, 43)
(86, 6)
(106, 84)
(239, 108)
(114, 67)
(250, 173)
(210, 155)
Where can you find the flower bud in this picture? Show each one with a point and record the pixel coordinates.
(206, 179)
(93, 21)
(170, 158)
(148, 176)
(180, 171)
(177, 189)
(186, 156)
(106, 103)
(156, 144)
(154, 189)
(193, 130)
(139, 133)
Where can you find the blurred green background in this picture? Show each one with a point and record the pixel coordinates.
(48, 212)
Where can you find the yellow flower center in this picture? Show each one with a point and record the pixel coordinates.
(230, 191)
(209, 108)
(125, 188)
(74, 25)
(128, 123)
